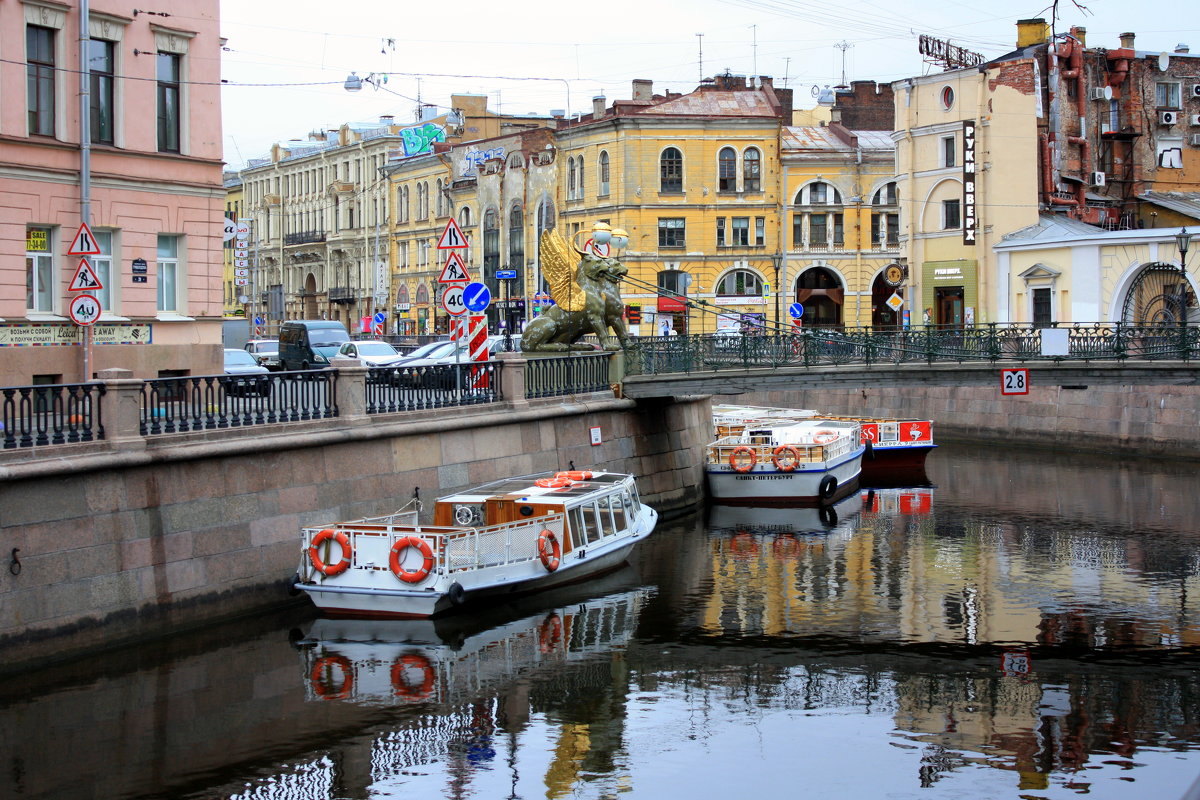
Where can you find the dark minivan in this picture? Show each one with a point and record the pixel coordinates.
(310, 343)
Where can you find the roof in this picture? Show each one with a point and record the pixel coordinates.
(1053, 228)
(713, 103)
(823, 138)
(1186, 203)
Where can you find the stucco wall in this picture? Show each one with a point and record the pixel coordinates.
(139, 543)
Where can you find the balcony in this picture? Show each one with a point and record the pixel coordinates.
(306, 237)
(342, 294)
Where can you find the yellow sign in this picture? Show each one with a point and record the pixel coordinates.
(37, 240)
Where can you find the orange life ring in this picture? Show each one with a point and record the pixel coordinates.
(315, 557)
(549, 550)
(824, 437)
(550, 633)
(777, 457)
(416, 575)
(557, 482)
(322, 671)
(406, 688)
(575, 475)
(742, 450)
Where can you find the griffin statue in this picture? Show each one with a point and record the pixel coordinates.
(587, 299)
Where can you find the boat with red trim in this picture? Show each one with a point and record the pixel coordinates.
(504, 538)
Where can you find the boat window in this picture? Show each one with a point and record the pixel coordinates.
(606, 519)
(591, 524)
(632, 502)
(578, 534)
(619, 504)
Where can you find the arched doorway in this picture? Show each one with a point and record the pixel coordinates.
(310, 298)
(882, 315)
(1159, 295)
(820, 292)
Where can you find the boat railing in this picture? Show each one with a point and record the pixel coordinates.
(497, 545)
(722, 450)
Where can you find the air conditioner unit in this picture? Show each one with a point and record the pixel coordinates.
(1196, 119)
(1168, 117)
(1098, 93)
(1195, 95)
(1099, 178)
(1196, 140)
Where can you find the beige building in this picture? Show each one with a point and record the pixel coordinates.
(150, 194)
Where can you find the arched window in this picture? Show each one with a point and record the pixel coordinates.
(885, 218)
(727, 170)
(491, 245)
(516, 240)
(670, 170)
(818, 226)
(464, 217)
(571, 178)
(402, 204)
(752, 170)
(579, 185)
(603, 188)
(439, 201)
(739, 283)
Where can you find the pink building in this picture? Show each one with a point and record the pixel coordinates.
(152, 173)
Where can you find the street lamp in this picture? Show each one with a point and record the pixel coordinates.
(1182, 239)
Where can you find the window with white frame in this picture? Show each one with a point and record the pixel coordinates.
(722, 235)
(818, 224)
(579, 186)
(741, 231)
(949, 151)
(885, 217)
(951, 214)
(39, 270)
(102, 266)
(169, 274)
(760, 231)
(169, 114)
(464, 217)
(672, 232)
(40, 82)
(670, 170)
(739, 283)
(402, 204)
(1167, 94)
(101, 77)
(727, 170)
(604, 174)
(752, 170)
(571, 178)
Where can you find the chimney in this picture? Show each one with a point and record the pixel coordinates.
(1182, 48)
(643, 89)
(1080, 34)
(558, 113)
(1031, 31)
(1126, 41)
(386, 119)
(598, 107)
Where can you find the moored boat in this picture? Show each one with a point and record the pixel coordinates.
(507, 537)
(786, 462)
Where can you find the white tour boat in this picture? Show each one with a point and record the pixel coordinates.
(786, 462)
(507, 537)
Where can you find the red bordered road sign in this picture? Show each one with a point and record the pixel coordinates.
(86, 279)
(84, 310)
(84, 243)
(452, 237)
(452, 300)
(455, 270)
(1014, 381)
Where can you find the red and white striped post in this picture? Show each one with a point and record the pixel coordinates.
(478, 349)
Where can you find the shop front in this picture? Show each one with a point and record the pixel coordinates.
(949, 293)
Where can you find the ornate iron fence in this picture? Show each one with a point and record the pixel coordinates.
(391, 389)
(992, 342)
(32, 416)
(557, 376)
(208, 402)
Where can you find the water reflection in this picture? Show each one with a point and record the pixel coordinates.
(1015, 630)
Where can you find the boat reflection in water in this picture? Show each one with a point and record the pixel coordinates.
(774, 520)
(459, 658)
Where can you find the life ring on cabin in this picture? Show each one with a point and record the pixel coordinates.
(314, 556)
(550, 633)
(575, 475)
(416, 575)
(828, 516)
(323, 671)
(413, 690)
(739, 466)
(777, 457)
(824, 437)
(549, 550)
(827, 487)
(557, 482)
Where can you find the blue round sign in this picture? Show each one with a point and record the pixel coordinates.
(476, 297)
(796, 310)
(380, 317)
(259, 320)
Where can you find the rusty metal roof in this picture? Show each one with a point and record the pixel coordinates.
(712, 103)
(823, 138)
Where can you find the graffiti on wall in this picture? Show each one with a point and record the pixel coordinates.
(474, 158)
(420, 138)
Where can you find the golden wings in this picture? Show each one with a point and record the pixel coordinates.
(558, 267)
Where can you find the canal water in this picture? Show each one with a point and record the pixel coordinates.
(1025, 626)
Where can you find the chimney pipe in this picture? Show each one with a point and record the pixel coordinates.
(598, 107)
(643, 89)
(1032, 31)
(1126, 41)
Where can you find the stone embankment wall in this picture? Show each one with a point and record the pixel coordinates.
(156, 535)
(1160, 420)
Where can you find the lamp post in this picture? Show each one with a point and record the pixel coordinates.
(1182, 239)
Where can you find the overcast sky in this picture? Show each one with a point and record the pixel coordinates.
(285, 61)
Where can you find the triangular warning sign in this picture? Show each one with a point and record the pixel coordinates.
(455, 270)
(84, 244)
(86, 279)
(452, 237)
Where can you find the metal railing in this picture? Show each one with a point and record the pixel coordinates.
(212, 402)
(991, 342)
(566, 375)
(32, 416)
(392, 389)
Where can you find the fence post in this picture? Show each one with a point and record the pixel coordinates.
(350, 392)
(512, 377)
(122, 404)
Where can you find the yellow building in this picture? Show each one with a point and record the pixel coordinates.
(234, 286)
(694, 180)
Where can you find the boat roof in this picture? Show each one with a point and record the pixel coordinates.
(525, 486)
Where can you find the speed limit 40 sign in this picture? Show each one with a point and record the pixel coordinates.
(85, 309)
(452, 300)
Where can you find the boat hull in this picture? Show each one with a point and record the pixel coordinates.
(766, 485)
(903, 465)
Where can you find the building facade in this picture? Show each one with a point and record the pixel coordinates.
(150, 194)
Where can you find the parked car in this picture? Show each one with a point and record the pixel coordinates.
(250, 375)
(370, 352)
(310, 343)
(265, 352)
